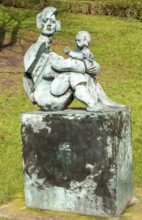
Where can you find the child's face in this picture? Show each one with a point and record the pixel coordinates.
(79, 41)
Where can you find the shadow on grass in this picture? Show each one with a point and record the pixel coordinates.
(11, 21)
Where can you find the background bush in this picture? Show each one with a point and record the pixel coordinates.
(121, 8)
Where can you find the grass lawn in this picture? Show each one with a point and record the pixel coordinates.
(116, 44)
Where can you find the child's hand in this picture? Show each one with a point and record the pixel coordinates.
(67, 50)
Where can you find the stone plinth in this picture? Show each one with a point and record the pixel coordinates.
(77, 161)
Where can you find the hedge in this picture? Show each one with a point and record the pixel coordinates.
(121, 8)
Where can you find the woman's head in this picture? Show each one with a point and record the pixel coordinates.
(47, 21)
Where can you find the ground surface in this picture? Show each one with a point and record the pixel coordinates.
(16, 210)
(12, 78)
(11, 67)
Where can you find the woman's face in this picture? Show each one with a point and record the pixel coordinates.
(49, 25)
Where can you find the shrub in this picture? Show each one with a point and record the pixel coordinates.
(121, 8)
(24, 4)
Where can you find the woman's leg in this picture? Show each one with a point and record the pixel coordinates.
(68, 65)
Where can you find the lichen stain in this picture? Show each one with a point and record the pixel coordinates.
(41, 151)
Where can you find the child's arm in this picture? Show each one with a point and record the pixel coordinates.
(73, 54)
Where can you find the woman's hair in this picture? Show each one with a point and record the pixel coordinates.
(86, 36)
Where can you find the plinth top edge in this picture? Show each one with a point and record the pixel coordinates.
(82, 111)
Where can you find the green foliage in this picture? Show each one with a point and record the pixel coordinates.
(13, 23)
(22, 4)
(121, 8)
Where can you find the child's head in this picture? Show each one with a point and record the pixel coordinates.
(82, 39)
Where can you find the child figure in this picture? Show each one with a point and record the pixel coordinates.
(72, 71)
(82, 51)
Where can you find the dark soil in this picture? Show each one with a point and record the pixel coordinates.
(11, 65)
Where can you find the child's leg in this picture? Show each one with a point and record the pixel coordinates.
(81, 92)
(68, 65)
(83, 95)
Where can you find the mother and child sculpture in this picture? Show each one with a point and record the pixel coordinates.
(74, 161)
(51, 81)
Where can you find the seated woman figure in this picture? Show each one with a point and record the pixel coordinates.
(72, 77)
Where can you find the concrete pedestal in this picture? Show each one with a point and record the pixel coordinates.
(77, 161)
